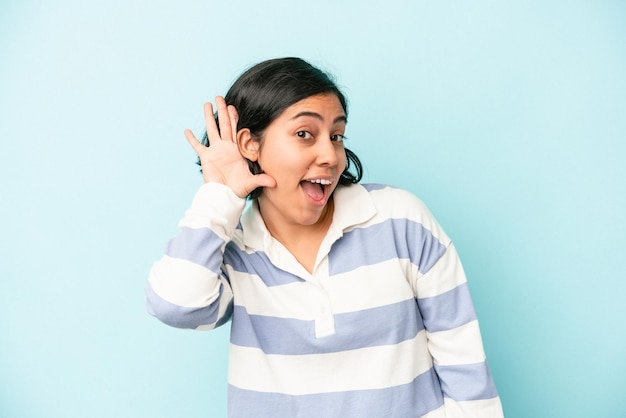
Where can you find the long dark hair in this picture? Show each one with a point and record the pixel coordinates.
(265, 90)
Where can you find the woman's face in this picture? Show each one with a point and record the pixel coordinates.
(303, 151)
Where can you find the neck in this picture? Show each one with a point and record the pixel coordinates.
(288, 232)
(302, 241)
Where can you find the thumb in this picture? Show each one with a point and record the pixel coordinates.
(264, 180)
(256, 181)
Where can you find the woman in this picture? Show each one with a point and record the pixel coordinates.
(346, 300)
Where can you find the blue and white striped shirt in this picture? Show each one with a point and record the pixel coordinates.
(384, 326)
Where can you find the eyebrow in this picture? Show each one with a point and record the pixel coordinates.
(315, 115)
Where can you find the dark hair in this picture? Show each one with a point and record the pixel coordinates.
(264, 91)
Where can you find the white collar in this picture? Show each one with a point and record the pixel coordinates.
(353, 205)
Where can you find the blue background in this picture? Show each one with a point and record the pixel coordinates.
(507, 118)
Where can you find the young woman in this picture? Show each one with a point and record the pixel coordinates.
(346, 300)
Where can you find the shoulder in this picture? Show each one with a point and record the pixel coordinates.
(396, 203)
(393, 200)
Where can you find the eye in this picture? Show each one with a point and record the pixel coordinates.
(304, 134)
(337, 137)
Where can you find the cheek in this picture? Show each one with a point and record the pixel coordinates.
(278, 163)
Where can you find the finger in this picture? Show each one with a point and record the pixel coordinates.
(259, 180)
(195, 144)
(234, 118)
(223, 119)
(254, 182)
(265, 180)
(209, 120)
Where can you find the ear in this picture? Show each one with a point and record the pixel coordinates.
(248, 146)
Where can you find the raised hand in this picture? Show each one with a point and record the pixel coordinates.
(221, 161)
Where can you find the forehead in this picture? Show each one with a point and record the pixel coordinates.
(324, 106)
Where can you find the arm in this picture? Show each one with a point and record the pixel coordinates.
(454, 340)
(187, 287)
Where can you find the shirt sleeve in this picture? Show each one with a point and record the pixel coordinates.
(454, 340)
(187, 287)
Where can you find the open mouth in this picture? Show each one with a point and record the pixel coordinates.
(316, 189)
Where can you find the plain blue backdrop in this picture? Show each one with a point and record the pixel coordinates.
(508, 119)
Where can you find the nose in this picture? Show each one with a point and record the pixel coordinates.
(327, 152)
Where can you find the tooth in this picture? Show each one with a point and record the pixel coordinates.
(321, 181)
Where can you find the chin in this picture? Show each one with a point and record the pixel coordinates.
(310, 219)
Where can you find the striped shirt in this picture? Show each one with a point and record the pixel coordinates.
(384, 326)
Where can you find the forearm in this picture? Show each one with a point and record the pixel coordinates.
(187, 287)
(455, 342)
